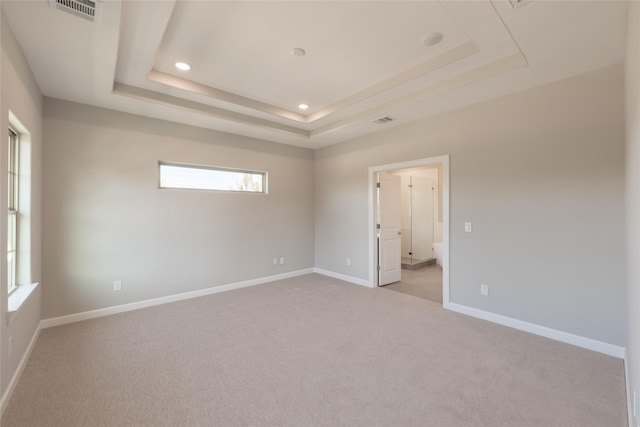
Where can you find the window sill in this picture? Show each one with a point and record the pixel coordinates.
(17, 298)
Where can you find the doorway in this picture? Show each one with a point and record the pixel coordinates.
(402, 235)
(421, 216)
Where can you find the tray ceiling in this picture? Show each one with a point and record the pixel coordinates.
(362, 60)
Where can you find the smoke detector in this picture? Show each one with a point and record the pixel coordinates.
(384, 120)
(86, 9)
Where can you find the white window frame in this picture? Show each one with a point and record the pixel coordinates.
(22, 286)
(13, 208)
(240, 172)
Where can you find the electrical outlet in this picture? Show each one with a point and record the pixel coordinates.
(281, 260)
(484, 290)
(348, 261)
(275, 261)
(468, 228)
(117, 285)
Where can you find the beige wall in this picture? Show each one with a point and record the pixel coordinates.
(540, 174)
(105, 218)
(21, 96)
(632, 83)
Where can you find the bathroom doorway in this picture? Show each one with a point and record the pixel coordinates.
(420, 216)
(415, 263)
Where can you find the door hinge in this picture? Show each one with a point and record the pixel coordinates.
(378, 226)
(378, 268)
(377, 185)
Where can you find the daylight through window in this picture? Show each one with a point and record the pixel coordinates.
(197, 177)
(12, 217)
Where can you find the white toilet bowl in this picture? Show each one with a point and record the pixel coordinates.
(437, 252)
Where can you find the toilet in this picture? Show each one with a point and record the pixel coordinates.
(437, 252)
(437, 245)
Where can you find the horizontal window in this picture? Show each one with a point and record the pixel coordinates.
(198, 177)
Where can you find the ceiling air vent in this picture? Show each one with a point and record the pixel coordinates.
(83, 8)
(518, 3)
(384, 120)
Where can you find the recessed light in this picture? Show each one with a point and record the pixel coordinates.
(183, 66)
(303, 106)
(298, 51)
(432, 39)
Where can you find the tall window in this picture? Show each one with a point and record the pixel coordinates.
(12, 217)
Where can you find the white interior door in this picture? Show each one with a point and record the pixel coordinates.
(390, 221)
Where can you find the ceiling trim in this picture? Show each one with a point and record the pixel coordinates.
(222, 95)
(491, 69)
(185, 104)
(494, 68)
(309, 126)
(446, 58)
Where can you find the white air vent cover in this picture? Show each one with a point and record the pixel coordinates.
(384, 120)
(83, 8)
(517, 3)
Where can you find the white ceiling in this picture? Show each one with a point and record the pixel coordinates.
(364, 59)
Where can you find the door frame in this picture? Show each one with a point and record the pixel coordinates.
(373, 201)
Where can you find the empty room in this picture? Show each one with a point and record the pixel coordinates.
(320, 213)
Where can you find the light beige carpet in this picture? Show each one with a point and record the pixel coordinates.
(310, 351)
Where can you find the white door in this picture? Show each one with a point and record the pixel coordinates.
(390, 241)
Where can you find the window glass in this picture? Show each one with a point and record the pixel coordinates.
(211, 178)
(12, 215)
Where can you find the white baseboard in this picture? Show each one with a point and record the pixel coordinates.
(16, 375)
(554, 334)
(77, 317)
(344, 277)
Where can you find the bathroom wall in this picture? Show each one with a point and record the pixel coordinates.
(420, 227)
(405, 200)
(422, 217)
